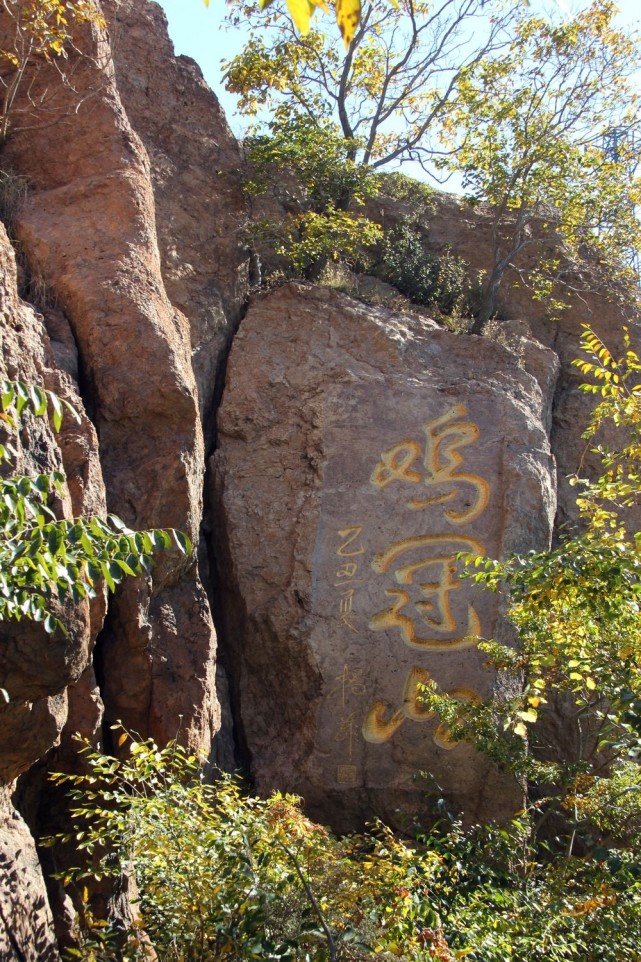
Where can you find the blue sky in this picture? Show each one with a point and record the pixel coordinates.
(200, 32)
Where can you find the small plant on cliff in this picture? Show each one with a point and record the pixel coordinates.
(35, 39)
(223, 875)
(309, 169)
(46, 560)
(546, 133)
(439, 280)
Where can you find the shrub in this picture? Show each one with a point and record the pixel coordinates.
(409, 191)
(224, 875)
(441, 280)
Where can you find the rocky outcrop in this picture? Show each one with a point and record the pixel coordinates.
(359, 453)
(454, 224)
(108, 330)
(38, 672)
(26, 924)
(89, 232)
(196, 176)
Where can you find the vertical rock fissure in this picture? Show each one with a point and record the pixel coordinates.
(229, 747)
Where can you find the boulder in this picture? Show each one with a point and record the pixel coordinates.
(360, 452)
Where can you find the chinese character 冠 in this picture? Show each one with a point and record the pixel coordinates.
(444, 437)
(435, 581)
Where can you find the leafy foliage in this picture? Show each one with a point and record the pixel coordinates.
(348, 14)
(45, 559)
(315, 239)
(500, 899)
(37, 34)
(387, 93)
(223, 875)
(529, 131)
(410, 191)
(325, 181)
(315, 154)
(439, 280)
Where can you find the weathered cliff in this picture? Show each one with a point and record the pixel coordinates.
(87, 234)
(357, 451)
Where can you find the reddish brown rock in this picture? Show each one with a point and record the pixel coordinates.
(467, 231)
(35, 668)
(88, 229)
(196, 177)
(360, 451)
(26, 925)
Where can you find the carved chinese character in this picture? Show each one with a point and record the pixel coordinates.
(345, 607)
(348, 682)
(346, 732)
(350, 535)
(347, 775)
(347, 570)
(377, 728)
(444, 438)
(424, 615)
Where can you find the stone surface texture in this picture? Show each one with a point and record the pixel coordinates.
(108, 333)
(359, 452)
(196, 175)
(455, 225)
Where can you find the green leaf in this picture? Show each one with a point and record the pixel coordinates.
(56, 404)
(183, 542)
(8, 393)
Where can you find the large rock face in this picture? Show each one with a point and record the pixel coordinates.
(196, 175)
(109, 334)
(359, 453)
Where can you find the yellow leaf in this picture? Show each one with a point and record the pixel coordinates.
(348, 15)
(529, 716)
(590, 683)
(122, 739)
(520, 729)
(301, 11)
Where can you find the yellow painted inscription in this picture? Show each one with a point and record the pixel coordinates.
(382, 720)
(445, 436)
(426, 620)
(350, 547)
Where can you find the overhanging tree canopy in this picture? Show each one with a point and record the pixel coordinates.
(386, 94)
(529, 131)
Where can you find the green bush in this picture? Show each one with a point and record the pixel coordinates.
(410, 191)
(436, 280)
(502, 897)
(226, 876)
